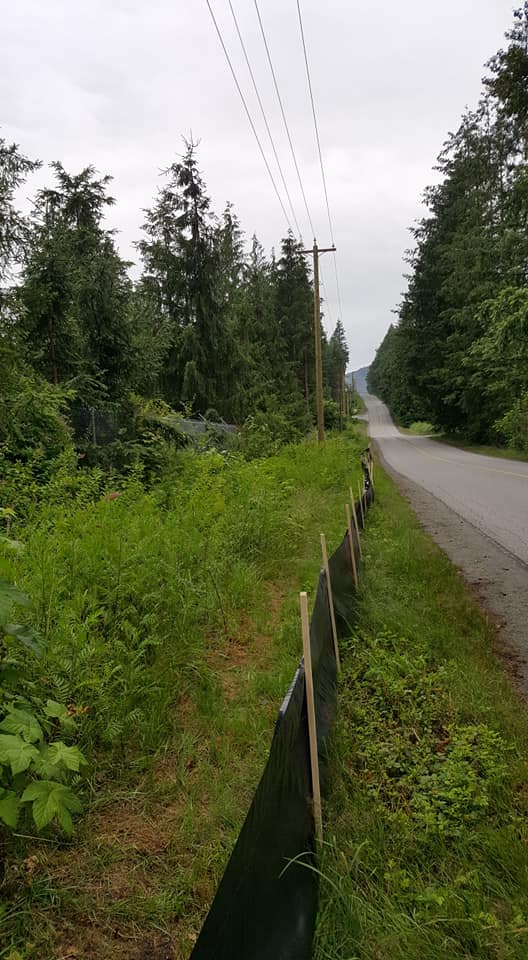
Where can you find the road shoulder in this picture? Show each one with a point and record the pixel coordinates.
(498, 579)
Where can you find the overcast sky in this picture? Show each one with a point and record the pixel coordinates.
(116, 83)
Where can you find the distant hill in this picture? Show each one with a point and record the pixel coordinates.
(360, 379)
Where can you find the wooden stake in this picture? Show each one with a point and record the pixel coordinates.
(330, 601)
(356, 524)
(361, 505)
(312, 729)
(351, 544)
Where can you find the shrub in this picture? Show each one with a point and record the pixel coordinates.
(513, 426)
(37, 765)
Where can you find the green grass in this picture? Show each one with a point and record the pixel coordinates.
(172, 630)
(420, 428)
(506, 453)
(427, 823)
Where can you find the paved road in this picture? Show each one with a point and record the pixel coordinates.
(489, 492)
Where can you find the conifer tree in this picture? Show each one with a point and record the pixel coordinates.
(75, 289)
(294, 306)
(182, 272)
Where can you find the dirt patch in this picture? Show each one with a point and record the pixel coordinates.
(114, 944)
(128, 830)
(228, 657)
(498, 580)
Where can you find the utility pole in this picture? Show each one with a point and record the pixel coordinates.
(341, 398)
(315, 251)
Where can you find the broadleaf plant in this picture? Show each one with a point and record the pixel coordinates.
(35, 768)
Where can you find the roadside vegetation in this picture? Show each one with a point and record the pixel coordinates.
(212, 327)
(504, 453)
(148, 573)
(426, 853)
(419, 428)
(166, 623)
(458, 355)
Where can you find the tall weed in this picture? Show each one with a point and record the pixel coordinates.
(131, 590)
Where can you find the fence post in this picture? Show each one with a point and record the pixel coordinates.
(330, 600)
(351, 544)
(312, 730)
(356, 524)
(361, 504)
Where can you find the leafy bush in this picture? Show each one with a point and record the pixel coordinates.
(36, 768)
(264, 433)
(128, 585)
(32, 425)
(513, 426)
(422, 428)
(331, 414)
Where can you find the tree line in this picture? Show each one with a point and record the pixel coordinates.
(458, 354)
(212, 323)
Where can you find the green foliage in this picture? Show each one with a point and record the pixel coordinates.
(207, 325)
(513, 426)
(266, 431)
(14, 168)
(426, 824)
(75, 291)
(457, 357)
(425, 770)
(170, 618)
(421, 428)
(335, 359)
(32, 425)
(35, 768)
(52, 800)
(188, 258)
(127, 587)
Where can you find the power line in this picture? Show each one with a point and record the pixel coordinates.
(279, 98)
(314, 114)
(337, 287)
(264, 117)
(246, 108)
(327, 311)
(315, 123)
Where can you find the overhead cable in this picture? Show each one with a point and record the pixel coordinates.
(248, 114)
(264, 117)
(326, 301)
(316, 126)
(279, 98)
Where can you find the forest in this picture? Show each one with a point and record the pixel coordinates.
(457, 355)
(211, 327)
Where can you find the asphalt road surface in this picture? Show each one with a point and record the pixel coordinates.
(491, 493)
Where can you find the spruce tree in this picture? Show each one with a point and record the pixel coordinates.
(75, 289)
(182, 272)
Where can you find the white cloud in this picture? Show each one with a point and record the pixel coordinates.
(117, 82)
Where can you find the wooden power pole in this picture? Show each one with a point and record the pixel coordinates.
(315, 251)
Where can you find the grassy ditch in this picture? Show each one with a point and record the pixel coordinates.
(171, 629)
(504, 453)
(427, 825)
(420, 428)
